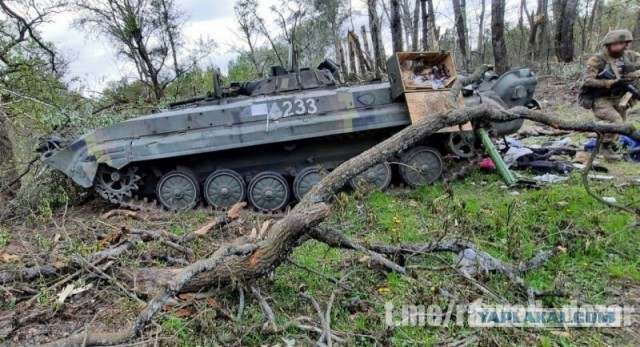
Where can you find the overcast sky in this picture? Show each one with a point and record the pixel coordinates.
(93, 62)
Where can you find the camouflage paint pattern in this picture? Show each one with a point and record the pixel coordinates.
(253, 121)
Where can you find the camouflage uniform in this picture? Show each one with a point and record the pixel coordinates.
(607, 95)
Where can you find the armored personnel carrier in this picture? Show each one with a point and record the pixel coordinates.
(269, 141)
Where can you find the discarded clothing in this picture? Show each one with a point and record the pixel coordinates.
(590, 145)
(487, 164)
(512, 155)
(560, 143)
(628, 142)
(538, 160)
(511, 142)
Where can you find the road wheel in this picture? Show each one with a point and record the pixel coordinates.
(378, 176)
(269, 192)
(306, 179)
(421, 166)
(224, 188)
(178, 190)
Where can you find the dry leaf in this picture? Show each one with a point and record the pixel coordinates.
(561, 333)
(59, 264)
(213, 302)
(7, 258)
(186, 297)
(254, 233)
(184, 313)
(384, 290)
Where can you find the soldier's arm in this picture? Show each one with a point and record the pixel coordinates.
(591, 75)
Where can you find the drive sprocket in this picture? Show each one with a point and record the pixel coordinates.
(117, 186)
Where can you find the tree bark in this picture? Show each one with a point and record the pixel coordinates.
(481, 46)
(595, 13)
(396, 26)
(566, 12)
(425, 25)
(367, 49)
(416, 25)
(376, 38)
(7, 163)
(544, 40)
(636, 27)
(434, 31)
(341, 57)
(459, 9)
(497, 36)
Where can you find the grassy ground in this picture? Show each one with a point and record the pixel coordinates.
(601, 265)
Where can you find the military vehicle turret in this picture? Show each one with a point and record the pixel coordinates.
(269, 141)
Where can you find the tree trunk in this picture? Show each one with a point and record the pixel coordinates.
(544, 39)
(341, 58)
(415, 29)
(365, 42)
(595, 13)
(170, 31)
(636, 28)
(566, 12)
(425, 25)
(521, 47)
(7, 163)
(434, 32)
(459, 7)
(497, 36)
(481, 51)
(352, 56)
(376, 38)
(396, 26)
(407, 22)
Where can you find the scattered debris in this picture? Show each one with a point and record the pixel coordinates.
(550, 178)
(71, 290)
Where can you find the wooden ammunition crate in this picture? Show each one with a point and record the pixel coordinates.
(422, 99)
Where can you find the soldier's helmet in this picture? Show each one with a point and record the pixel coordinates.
(617, 36)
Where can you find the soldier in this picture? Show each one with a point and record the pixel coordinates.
(607, 97)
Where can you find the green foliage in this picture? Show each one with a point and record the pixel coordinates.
(179, 328)
(5, 237)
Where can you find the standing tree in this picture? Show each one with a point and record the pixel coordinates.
(249, 31)
(434, 31)
(481, 48)
(396, 26)
(146, 33)
(565, 12)
(416, 25)
(425, 24)
(376, 34)
(459, 10)
(25, 62)
(497, 36)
